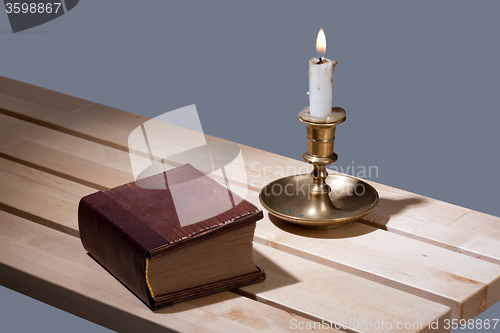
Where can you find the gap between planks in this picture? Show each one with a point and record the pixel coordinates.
(485, 248)
(267, 235)
(396, 229)
(52, 267)
(47, 180)
(301, 288)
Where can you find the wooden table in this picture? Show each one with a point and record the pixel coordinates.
(411, 261)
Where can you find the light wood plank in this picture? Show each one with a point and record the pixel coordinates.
(56, 262)
(480, 223)
(54, 152)
(398, 211)
(398, 204)
(461, 240)
(23, 142)
(421, 269)
(330, 295)
(54, 268)
(404, 210)
(57, 152)
(45, 198)
(42, 106)
(109, 126)
(51, 200)
(38, 96)
(418, 217)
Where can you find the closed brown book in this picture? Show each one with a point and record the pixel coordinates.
(172, 237)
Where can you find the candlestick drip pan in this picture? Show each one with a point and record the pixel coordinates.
(290, 199)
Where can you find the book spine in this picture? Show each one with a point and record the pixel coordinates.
(104, 234)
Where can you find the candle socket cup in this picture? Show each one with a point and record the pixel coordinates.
(315, 200)
(320, 140)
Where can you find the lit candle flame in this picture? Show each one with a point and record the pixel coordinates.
(321, 43)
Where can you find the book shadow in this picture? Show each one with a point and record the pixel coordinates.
(276, 277)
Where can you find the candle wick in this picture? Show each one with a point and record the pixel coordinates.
(320, 61)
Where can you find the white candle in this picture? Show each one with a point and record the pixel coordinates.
(320, 80)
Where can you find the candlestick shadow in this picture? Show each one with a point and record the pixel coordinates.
(386, 208)
(381, 214)
(353, 229)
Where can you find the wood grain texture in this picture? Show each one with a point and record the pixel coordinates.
(37, 96)
(326, 294)
(51, 266)
(57, 152)
(42, 197)
(480, 223)
(65, 128)
(405, 264)
(462, 240)
(353, 304)
(421, 269)
(398, 211)
(394, 260)
(42, 106)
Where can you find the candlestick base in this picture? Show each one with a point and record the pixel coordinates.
(290, 199)
(316, 200)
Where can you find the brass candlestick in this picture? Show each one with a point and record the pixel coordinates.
(316, 200)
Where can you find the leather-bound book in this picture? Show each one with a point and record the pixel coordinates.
(172, 237)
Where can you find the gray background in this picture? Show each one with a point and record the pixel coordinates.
(419, 80)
